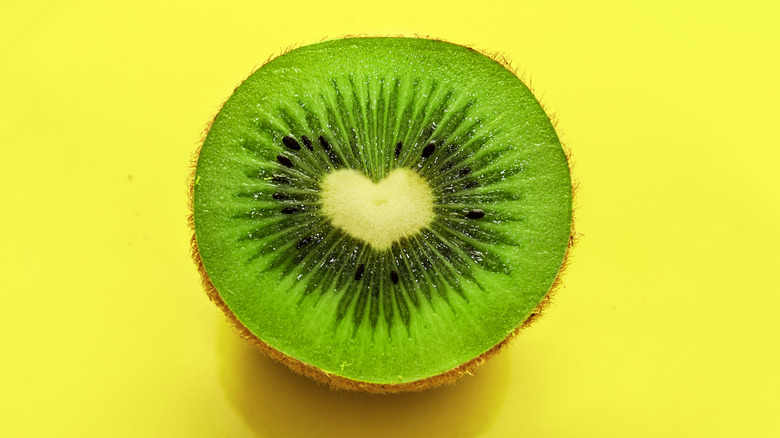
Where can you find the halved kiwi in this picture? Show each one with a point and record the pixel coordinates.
(381, 213)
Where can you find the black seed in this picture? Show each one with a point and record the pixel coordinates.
(291, 143)
(359, 273)
(279, 196)
(307, 142)
(324, 143)
(289, 210)
(303, 242)
(284, 161)
(394, 277)
(475, 214)
(447, 167)
(465, 171)
(280, 180)
(428, 150)
(470, 185)
(398, 149)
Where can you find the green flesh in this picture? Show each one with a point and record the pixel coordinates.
(502, 209)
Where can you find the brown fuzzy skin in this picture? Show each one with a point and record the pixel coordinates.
(339, 382)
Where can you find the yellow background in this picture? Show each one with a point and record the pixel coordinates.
(668, 322)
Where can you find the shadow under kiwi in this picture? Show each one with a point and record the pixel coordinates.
(276, 402)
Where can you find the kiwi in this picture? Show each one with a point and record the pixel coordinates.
(381, 213)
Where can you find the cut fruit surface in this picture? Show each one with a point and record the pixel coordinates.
(382, 210)
(399, 206)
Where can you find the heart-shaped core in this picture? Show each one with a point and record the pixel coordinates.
(400, 205)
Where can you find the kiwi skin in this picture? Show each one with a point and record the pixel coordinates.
(342, 383)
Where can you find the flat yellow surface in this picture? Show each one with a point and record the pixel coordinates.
(668, 322)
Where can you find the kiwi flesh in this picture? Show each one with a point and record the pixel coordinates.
(381, 214)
